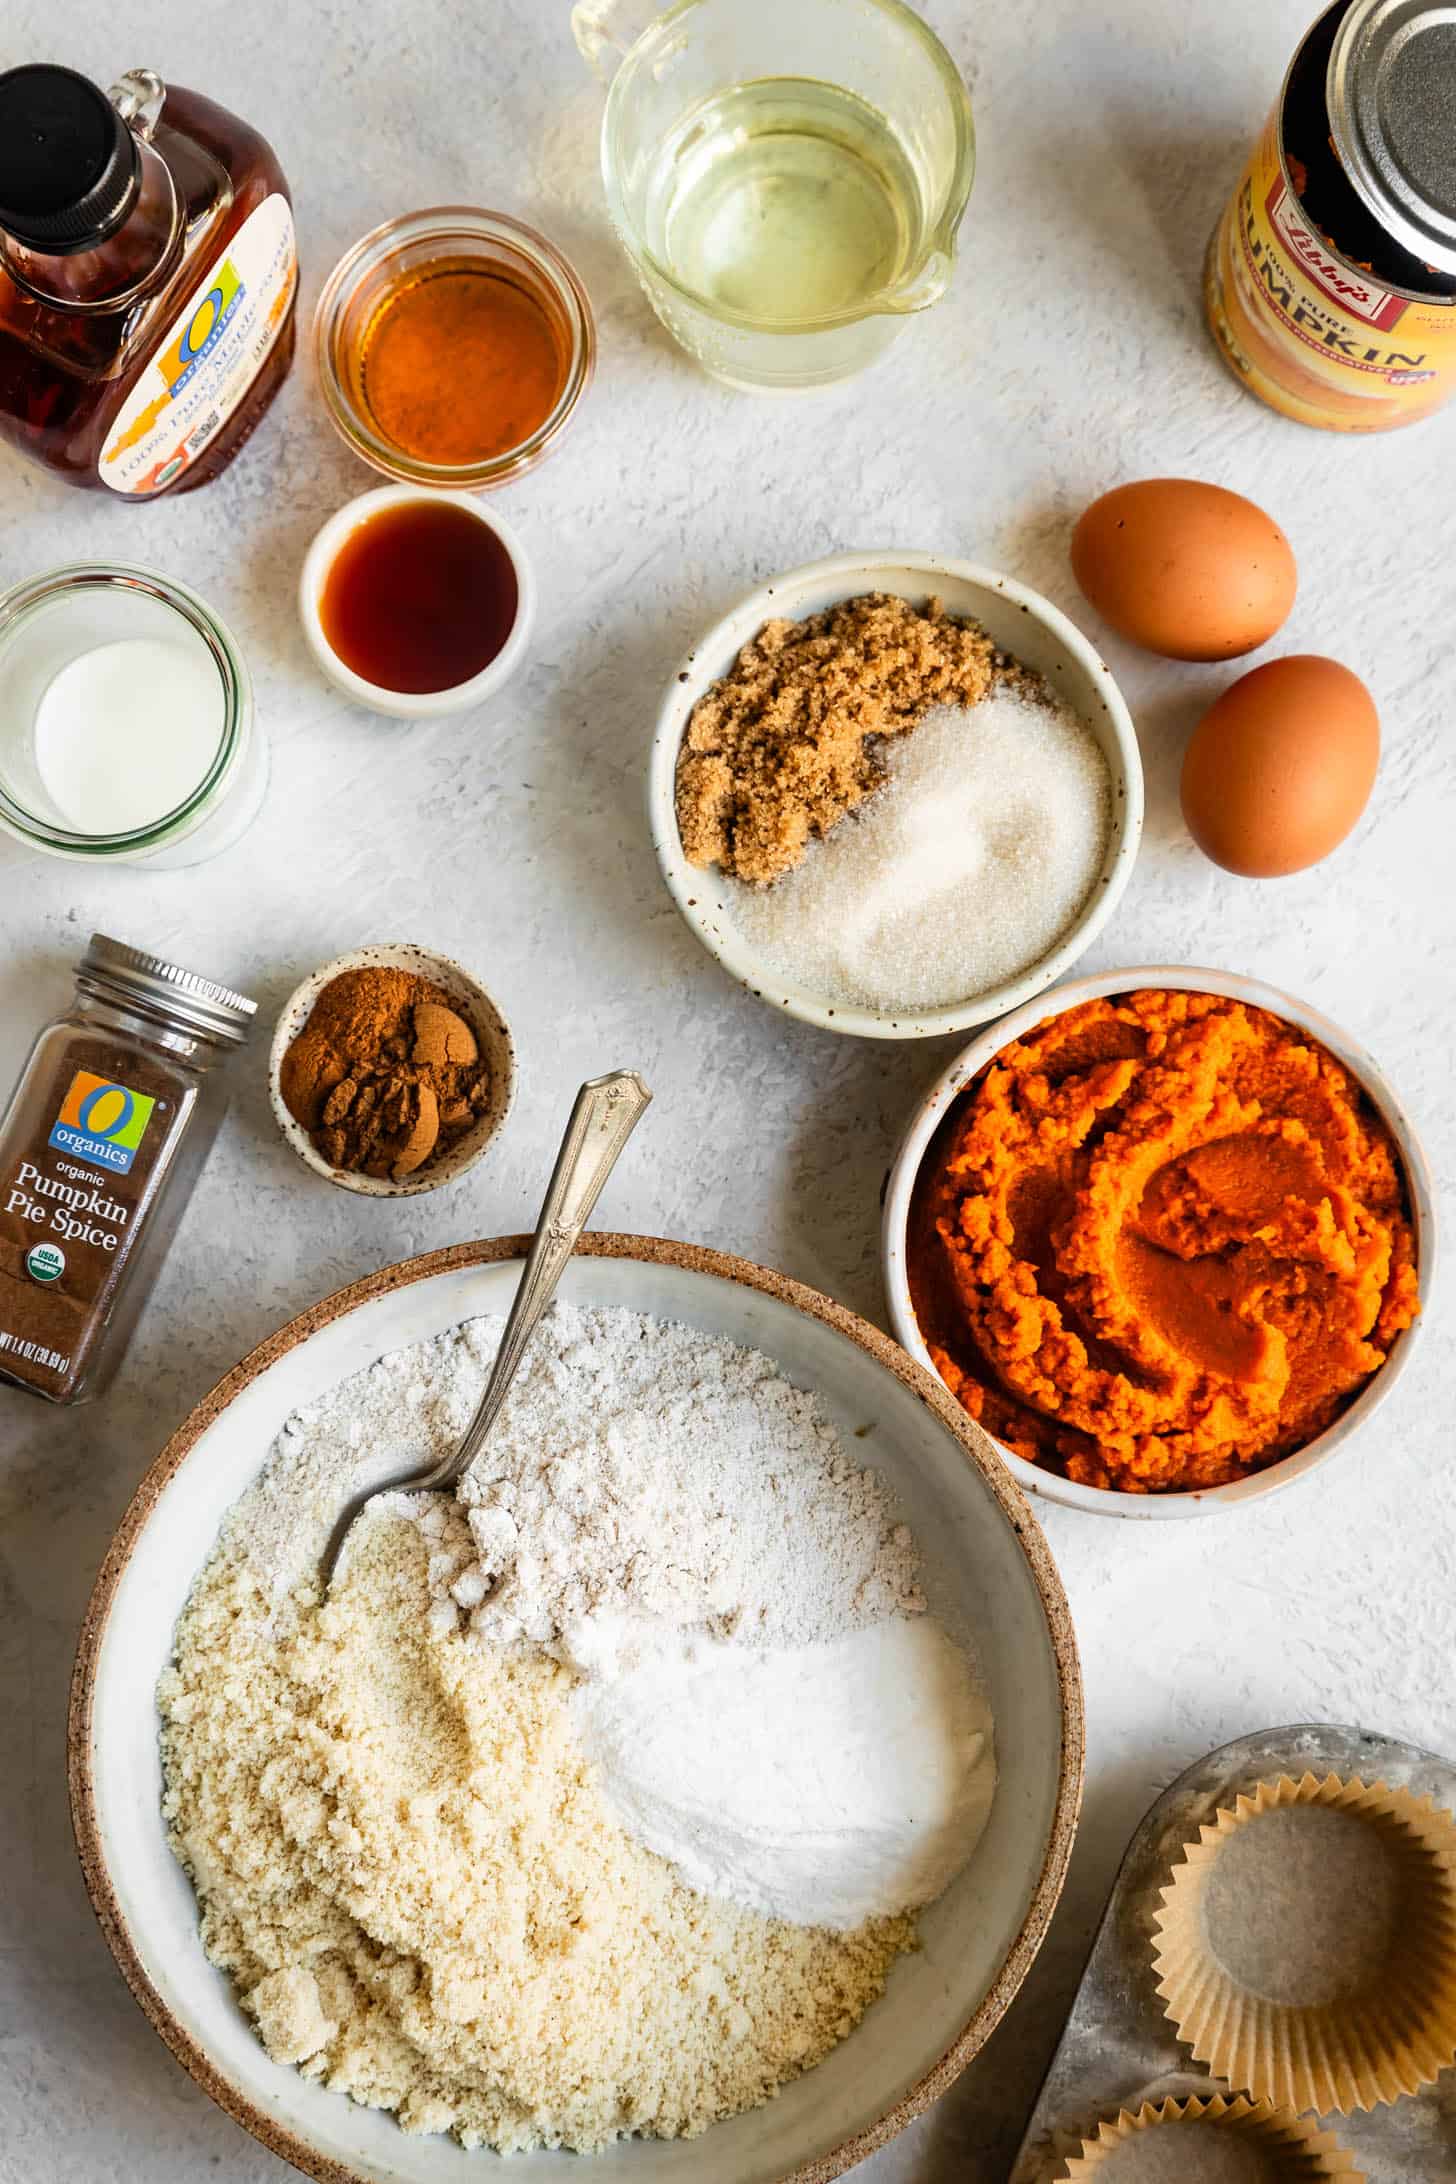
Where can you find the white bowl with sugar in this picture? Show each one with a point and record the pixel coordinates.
(793, 945)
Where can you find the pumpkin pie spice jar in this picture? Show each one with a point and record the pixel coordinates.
(105, 1135)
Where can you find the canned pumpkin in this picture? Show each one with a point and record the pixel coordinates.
(1330, 285)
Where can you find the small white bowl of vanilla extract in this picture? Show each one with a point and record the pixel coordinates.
(416, 603)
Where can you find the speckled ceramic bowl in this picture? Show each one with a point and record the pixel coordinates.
(931, 1113)
(485, 1020)
(1021, 622)
(987, 1568)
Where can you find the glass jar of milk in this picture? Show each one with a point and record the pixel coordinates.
(126, 720)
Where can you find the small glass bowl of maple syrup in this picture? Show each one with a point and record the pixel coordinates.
(453, 346)
(415, 602)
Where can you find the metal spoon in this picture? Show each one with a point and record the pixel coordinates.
(607, 1111)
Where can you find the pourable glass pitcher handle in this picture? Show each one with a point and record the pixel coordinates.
(606, 31)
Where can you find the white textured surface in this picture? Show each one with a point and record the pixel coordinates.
(1069, 356)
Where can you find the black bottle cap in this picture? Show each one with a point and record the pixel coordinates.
(68, 162)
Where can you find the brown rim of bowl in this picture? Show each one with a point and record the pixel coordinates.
(605, 1245)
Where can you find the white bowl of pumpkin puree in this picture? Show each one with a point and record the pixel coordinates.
(1166, 1234)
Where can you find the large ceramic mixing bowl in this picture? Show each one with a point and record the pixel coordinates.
(988, 1571)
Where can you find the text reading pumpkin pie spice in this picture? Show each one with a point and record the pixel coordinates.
(1161, 1242)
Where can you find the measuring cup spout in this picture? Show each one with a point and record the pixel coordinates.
(606, 31)
(925, 287)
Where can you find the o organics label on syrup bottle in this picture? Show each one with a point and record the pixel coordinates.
(209, 357)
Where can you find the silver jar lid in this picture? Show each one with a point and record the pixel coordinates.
(131, 976)
(1391, 93)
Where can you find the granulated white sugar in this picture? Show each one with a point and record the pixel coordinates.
(962, 871)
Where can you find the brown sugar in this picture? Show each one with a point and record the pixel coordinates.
(386, 1074)
(787, 743)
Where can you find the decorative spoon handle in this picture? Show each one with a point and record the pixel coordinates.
(607, 1111)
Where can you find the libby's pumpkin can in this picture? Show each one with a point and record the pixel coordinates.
(1330, 284)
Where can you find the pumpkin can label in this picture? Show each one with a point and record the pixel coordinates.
(1314, 336)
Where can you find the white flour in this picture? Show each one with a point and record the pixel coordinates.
(644, 1470)
(676, 1522)
(824, 1784)
(639, 1468)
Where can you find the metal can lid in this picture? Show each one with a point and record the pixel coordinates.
(131, 975)
(1391, 93)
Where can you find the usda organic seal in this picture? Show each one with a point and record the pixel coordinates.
(45, 1262)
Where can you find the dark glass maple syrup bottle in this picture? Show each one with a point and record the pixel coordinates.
(147, 280)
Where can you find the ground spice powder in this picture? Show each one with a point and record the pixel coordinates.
(386, 1074)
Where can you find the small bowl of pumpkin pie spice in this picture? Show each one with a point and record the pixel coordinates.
(391, 1071)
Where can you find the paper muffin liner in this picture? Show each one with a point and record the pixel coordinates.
(1388, 2036)
(1296, 2151)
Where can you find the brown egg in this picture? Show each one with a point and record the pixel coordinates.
(1184, 569)
(1282, 766)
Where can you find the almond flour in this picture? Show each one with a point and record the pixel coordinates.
(405, 1863)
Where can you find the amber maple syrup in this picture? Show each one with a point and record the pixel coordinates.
(421, 596)
(147, 280)
(459, 364)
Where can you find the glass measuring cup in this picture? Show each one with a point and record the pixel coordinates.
(787, 176)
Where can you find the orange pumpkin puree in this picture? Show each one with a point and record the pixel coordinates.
(1160, 1242)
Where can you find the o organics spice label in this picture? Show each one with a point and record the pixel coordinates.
(101, 1122)
(78, 1172)
(80, 1165)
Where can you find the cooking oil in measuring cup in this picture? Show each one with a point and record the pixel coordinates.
(784, 201)
(787, 176)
